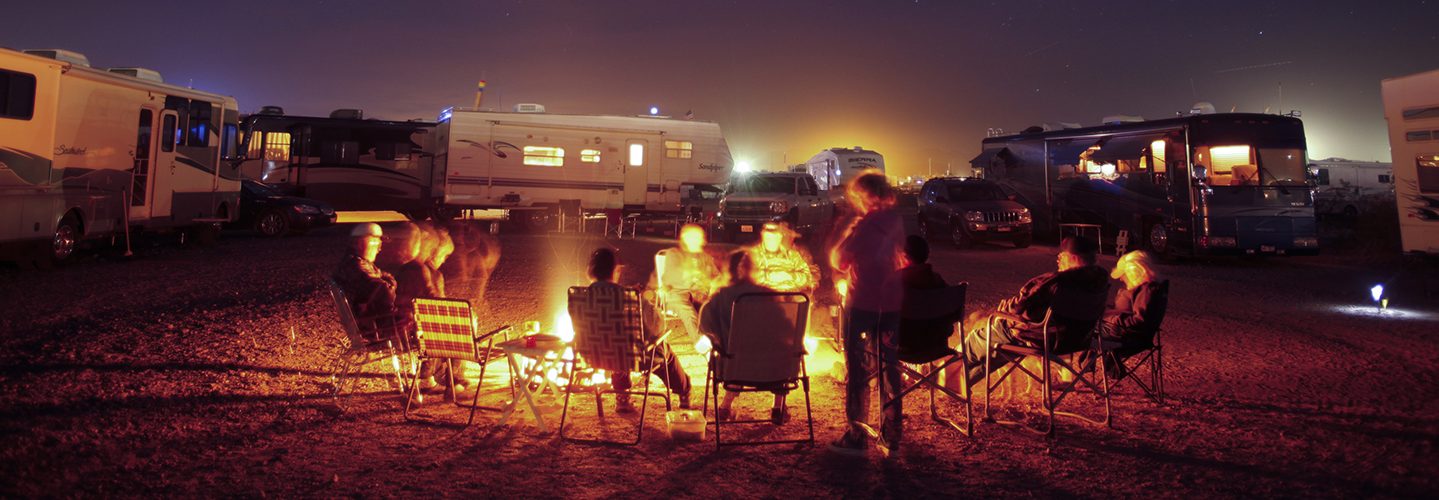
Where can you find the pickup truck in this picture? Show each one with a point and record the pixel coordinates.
(753, 199)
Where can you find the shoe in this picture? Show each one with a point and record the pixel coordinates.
(851, 444)
(723, 415)
(779, 416)
(888, 444)
(684, 401)
(625, 407)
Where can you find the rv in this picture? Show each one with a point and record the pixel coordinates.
(833, 167)
(87, 153)
(1197, 184)
(1411, 106)
(345, 160)
(535, 160)
(1347, 187)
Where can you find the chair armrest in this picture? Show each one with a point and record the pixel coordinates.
(493, 333)
(657, 341)
(1010, 317)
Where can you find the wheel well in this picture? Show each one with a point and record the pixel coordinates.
(223, 211)
(77, 216)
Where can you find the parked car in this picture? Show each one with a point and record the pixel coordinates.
(272, 213)
(753, 199)
(965, 211)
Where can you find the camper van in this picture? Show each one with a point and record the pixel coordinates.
(345, 160)
(1229, 183)
(1411, 106)
(87, 153)
(535, 160)
(833, 167)
(1347, 187)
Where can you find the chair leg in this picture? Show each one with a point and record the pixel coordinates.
(565, 412)
(413, 392)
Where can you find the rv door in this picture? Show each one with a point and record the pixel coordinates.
(636, 183)
(162, 170)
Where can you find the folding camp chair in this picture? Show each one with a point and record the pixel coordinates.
(360, 349)
(446, 331)
(609, 335)
(1129, 359)
(1041, 341)
(764, 352)
(927, 319)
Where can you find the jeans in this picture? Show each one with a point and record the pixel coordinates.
(884, 327)
(975, 348)
(667, 366)
(682, 304)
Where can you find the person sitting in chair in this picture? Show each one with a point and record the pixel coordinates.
(917, 273)
(1075, 287)
(370, 290)
(1139, 307)
(685, 281)
(602, 266)
(715, 323)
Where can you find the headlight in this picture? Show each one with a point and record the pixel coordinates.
(1024, 215)
(306, 209)
(974, 216)
(778, 207)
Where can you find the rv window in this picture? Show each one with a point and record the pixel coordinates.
(340, 152)
(17, 95)
(1427, 166)
(391, 151)
(277, 146)
(1421, 113)
(1419, 135)
(637, 155)
(198, 133)
(589, 156)
(679, 149)
(167, 134)
(1383, 179)
(544, 156)
(1323, 177)
(229, 141)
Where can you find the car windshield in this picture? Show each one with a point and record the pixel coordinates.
(261, 189)
(975, 192)
(1281, 166)
(762, 184)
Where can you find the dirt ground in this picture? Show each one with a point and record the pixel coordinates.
(202, 371)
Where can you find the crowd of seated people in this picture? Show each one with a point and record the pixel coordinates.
(872, 256)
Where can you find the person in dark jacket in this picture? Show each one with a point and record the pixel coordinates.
(602, 269)
(1076, 292)
(371, 291)
(917, 273)
(1139, 307)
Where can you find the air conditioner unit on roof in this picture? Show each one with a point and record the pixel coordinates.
(68, 56)
(528, 107)
(141, 73)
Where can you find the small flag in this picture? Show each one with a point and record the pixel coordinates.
(690, 115)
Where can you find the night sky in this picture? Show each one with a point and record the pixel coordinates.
(915, 80)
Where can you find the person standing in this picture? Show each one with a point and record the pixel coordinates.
(868, 257)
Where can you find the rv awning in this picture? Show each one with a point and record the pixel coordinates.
(1129, 147)
(986, 157)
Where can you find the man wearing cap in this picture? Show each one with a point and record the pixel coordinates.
(779, 264)
(370, 290)
(1076, 292)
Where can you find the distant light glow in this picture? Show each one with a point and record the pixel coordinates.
(1377, 292)
(743, 167)
(1378, 313)
(654, 110)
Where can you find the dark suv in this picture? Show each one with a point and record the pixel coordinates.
(970, 210)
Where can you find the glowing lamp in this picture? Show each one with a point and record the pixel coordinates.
(654, 110)
(1377, 292)
(743, 167)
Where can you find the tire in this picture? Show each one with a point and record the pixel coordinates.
(64, 243)
(925, 231)
(1157, 240)
(272, 223)
(959, 238)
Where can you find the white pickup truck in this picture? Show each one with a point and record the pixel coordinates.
(753, 199)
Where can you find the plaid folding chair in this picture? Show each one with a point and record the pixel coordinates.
(361, 350)
(1129, 360)
(764, 352)
(927, 319)
(1041, 341)
(609, 335)
(446, 330)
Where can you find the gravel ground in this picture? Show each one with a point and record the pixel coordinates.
(202, 371)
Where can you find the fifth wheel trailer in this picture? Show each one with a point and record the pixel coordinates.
(87, 153)
(1411, 106)
(518, 160)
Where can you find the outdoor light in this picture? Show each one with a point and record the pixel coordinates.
(1377, 291)
(654, 110)
(743, 167)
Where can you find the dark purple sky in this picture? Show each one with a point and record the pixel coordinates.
(914, 80)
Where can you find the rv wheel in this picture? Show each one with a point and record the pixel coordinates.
(924, 231)
(958, 237)
(63, 244)
(272, 223)
(1158, 239)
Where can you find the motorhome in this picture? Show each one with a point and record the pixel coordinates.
(348, 161)
(1197, 184)
(532, 160)
(1348, 187)
(87, 153)
(1411, 106)
(833, 167)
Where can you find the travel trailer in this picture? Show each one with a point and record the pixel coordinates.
(344, 160)
(1198, 184)
(1411, 106)
(88, 153)
(536, 160)
(1347, 187)
(833, 167)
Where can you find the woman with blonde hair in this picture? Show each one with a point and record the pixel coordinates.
(1140, 305)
